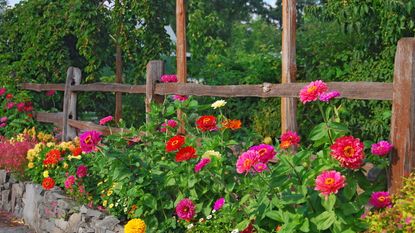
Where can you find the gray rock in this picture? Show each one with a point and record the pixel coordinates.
(73, 222)
(17, 194)
(62, 224)
(31, 200)
(93, 213)
(83, 209)
(3, 176)
(5, 194)
(119, 229)
(108, 223)
(86, 230)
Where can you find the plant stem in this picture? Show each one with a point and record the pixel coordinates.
(326, 122)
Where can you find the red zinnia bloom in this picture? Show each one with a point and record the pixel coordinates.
(185, 154)
(232, 124)
(175, 143)
(48, 183)
(206, 123)
(288, 139)
(77, 151)
(52, 157)
(348, 151)
(9, 96)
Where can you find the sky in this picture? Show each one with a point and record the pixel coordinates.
(12, 2)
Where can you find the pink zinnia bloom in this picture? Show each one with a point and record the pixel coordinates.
(329, 182)
(69, 182)
(20, 107)
(2, 125)
(89, 140)
(266, 152)
(246, 161)
(219, 204)
(185, 209)
(326, 97)
(288, 139)
(203, 162)
(168, 78)
(170, 123)
(9, 105)
(50, 93)
(82, 171)
(380, 199)
(312, 91)
(180, 98)
(349, 151)
(105, 120)
(260, 167)
(3, 119)
(381, 148)
(3, 90)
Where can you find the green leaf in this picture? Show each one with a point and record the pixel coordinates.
(350, 208)
(318, 132)
(243, 224)
(324, 220)
(350, 189)
(306, 226)
(275, 215)
(338, 126)
(293, 199)
(329, 203)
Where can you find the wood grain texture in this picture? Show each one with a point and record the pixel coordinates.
(289, 65)
(403, 114)
(181, 40)
(48, 117)
(118, 79)
(154, 71)
(86, 125)
(69, 102)
(42, 87)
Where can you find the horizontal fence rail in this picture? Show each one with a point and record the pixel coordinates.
(349, 90)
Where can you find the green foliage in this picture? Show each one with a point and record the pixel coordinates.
(398, 218)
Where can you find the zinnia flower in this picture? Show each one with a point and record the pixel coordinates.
(168, 78)
(288, 139)
(260, 167)
(3, 119)
(185, 209)
(20, 106)
(48, 183)
(175, 143)
(231, 124)
(9, 96)
(82, 171)
(76, 152)
(381, 148)
(211, 153)
(89, 140)
(170, 123)
(52, 157)
(246, 161)
(348, 151)
(206, 123)
(105, 120)
(265, 152)
(219, 204)
(312, 91)
(326, 97)
(380, 199)
(69, 182)
(135, 226)
(185, 154)
(203, 162)
(329, 182)
(218, 104)
(9, 105)
(180, 98)
(3, 90)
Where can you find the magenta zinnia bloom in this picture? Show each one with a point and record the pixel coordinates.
(265, 152)
(260, 167)
(168, 78)
(82, 171)
(380, 199)
(20, 107)
(219, 204)
(3, 90)
(170, 123)
(246, 161)
(288, 139)
(312, 91)
(89, 140)
(326, 97)
(329, 182)
(69, 182)
(3, 119)
(203, 162)
(381, 148)
(180, 98)
(185, 209)
(105, 120)
(9, 105)
(348, 151)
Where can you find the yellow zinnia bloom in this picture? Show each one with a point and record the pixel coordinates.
(45, 174)
(104, 203)
(109, 193)
(65, 165)
(111, 205)
(135, 226)
(31, 165)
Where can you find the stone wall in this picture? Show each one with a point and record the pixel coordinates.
(51, 211)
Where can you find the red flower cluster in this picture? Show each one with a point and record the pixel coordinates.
(52, 157)
(175, 143)
(206, 123)
(185, 153)
(77, 151)
(232, 124)
(24, 107)
(48, 183)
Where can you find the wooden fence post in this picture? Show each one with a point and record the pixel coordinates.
(403, 114)
(155, 69)
(73, 78)
(289, 67)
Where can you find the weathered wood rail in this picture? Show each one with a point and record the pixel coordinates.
(401, 92)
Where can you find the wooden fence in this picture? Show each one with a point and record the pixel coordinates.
(401, 92)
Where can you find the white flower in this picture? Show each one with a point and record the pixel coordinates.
(235, 231)
(209, 216)
(213, 211)
(190, 226)
(211, 153)
(201, 219)
(218, 104)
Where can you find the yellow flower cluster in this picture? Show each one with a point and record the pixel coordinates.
(34, 153)
(66, 146)
(44, 137)
(211, 153)
(135, 226)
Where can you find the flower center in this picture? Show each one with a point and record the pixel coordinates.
(381, 198)
(311, 89)
(247, 163)
(348, 151)
(88, 139)
(262, 151)
(329, 181)
(206, 120)
(186, 209)
(175, 142)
